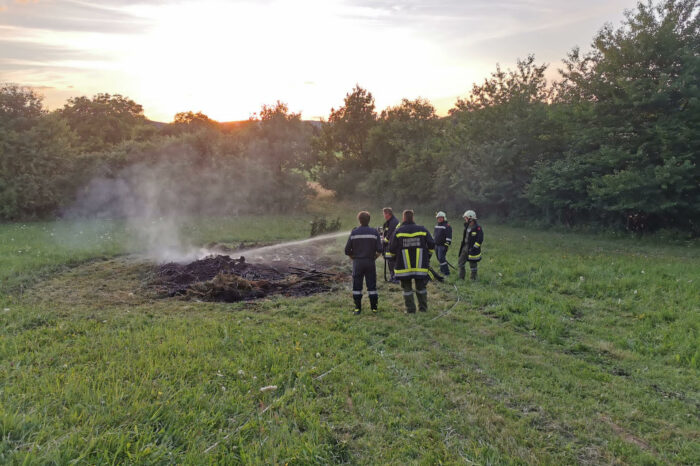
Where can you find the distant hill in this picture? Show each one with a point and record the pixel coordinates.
(157, 124)
(242, 123)
(231, 125)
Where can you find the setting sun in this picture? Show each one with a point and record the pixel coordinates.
(228, 58)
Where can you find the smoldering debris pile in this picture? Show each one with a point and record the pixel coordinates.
(222, 278)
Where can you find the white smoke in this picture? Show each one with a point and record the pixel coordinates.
(145, 198)
(161, 189)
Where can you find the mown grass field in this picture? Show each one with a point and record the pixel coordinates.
(570, 349)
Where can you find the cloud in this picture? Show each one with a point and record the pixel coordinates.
(29, 52)
(227, 56)
(71, 16)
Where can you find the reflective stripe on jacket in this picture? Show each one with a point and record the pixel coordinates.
(363, 243)
(472, 239)
(443, 234)
(412, 245)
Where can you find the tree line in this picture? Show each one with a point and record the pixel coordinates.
(615, 140)
(48, 160)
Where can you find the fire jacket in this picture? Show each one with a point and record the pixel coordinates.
(471, 239)
(363, 243)
(387, 232)
(412, 245)
(388, 229)
(443, 234)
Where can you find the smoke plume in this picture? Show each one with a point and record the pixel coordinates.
(164, 188)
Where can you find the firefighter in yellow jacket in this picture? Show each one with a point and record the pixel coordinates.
(470, 249)
(412, 246)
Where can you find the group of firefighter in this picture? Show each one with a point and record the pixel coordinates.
(407, 249)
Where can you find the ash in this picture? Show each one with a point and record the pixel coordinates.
(227, 279)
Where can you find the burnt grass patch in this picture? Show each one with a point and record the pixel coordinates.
(226, 279)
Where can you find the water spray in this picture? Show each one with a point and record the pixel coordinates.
(262, 251)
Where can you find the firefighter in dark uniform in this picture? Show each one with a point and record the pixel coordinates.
(364, 246)
(387, 232)
(412, 246)
(470, 249)
(443, 239)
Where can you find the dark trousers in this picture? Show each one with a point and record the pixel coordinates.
(364, 269)
(441, 253)
(391, 264)
(421, 294)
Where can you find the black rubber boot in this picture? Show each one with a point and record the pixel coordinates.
(473, 275)
(373, 301)
(358, 304)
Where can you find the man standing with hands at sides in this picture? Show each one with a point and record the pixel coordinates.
(387, 232)
(443, 239)
(364, 246)
(470, 249)
(412, 246)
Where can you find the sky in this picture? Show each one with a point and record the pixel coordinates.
(228, 58)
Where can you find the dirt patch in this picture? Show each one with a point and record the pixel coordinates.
(628, 437)
(223, 278)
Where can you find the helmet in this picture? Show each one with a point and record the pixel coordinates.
(441, 214)
(469, 214)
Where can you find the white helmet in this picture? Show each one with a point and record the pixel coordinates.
(470, 214)
(441, 214)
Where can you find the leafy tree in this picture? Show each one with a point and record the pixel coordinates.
(193, 120)
(20, 107)
(634, 112)
(38, 170)
(402, 154)
(104, 120)
(351, 124)
(282, 138)
(341, 146)
(496, 137)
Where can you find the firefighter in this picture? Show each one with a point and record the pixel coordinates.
(387, 232)
(364, 246)
(470, 249)
(412, 246)
(443, 239)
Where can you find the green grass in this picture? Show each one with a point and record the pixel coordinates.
(571, 348)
